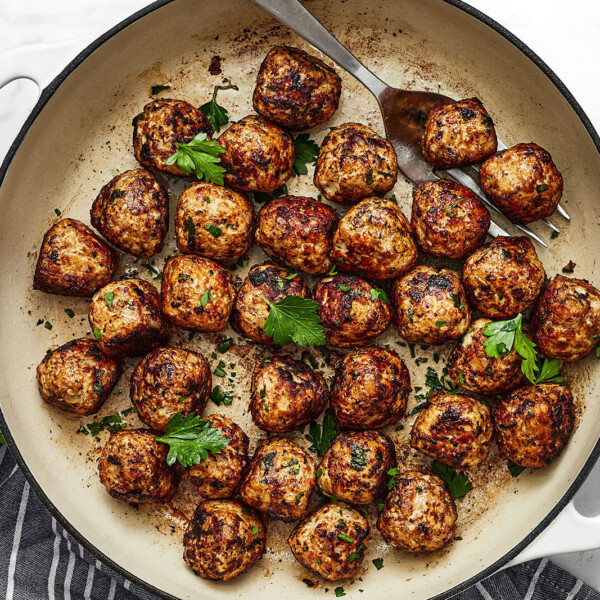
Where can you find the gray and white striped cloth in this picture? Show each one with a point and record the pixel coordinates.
(39, 560)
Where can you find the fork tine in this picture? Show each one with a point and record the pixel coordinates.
(552, 226)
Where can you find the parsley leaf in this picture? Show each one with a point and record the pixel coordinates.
(515, 470)
(214, 230)
(378, 294)
(216, 115)
(339, 592)
(200, 156)
(458, 483)
(218, 396)
(157, 89)
(306, 152)
(108, 298)
(549, 372)
(264, 197)
(392, 478)
(321, 437)
(294, 319)
(190, 229)
(378, 562)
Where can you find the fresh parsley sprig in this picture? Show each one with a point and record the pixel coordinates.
(200, 156)
(458, 483)
(294, 319)
(321, 436)
(217, 115)
(307, 151)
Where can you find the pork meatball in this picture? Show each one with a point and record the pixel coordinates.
(132, 212)
(448, 220)
(223, 539)
(370, 389)
(470, 366)
(296, 90)
(250, 311)
(77, 377)
(219, 475)
(352, 311)
(534, 423)
(355, 467)
(503, 277)
(458, 134)
(331, 541)
(566, 319)
(298, 231)
(160, 126)
(133, 467)
(258, 156)
(214, 222)
(419, 514)
(373, 239)
(280, 480)
(169, 381)
(355, 163)
(523, 182)
(429, 306)
(125, 318)
(73, 261)
(197, 293)
(286, 394)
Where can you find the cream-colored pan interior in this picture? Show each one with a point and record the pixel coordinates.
(82, 138)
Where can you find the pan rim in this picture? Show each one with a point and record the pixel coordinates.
(45, 96)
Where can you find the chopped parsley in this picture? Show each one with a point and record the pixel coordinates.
(214, 230)
(108, 298)
(321, 436)
(306, 152)
(359, 459)
(224, 345)
(515, 470)
(378, 562)
(70, 313)
(219, 396)
(157, 89)
(378, 294)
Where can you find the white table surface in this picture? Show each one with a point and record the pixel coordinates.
(565, 34)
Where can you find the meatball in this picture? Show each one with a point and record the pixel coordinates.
(298, 231)
(73, 261)
(534, 423)
(331, 541)
(133, 467)
(419, 514)
(197, 293)
(352, 311)
(448, 220)
(250, 311)
(223, 539)
(160, 126)
(458, 134)
(296, 90)
(429, 305)
(126, 319)
(214, 221)
(355, 163)
(471, 367)
(169, 381)
(286, 394)
(370, 389)
(258, 156)
(503, 277)
(132, 212)
(77, 377)
(566, 319)
(373, 240)
(355, 467)
(219, 475)
(280, 480)
(522, 182)
(454, 429)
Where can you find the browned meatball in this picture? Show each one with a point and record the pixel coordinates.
(448, 219)
(522, 182)
(197, 293)
(355, 468)
(160, 126)
(566, 319)
(419, 514)
(73, 261)
(133, 467)
(331, 541)
(458, 134)
(77, 377)
(132, 212)
(370, 389)
(470, 366)
(373, 239)
(534, 423)
(219, 475)
(214, 221)
(223, 539)
(298, 231)
(250, 311)
(429, 305)
(352, 311)
(259, 155)
(125, 318)
(280, 480)
(286, 394)
(296, 90)
(355, 163)
(503, 277)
